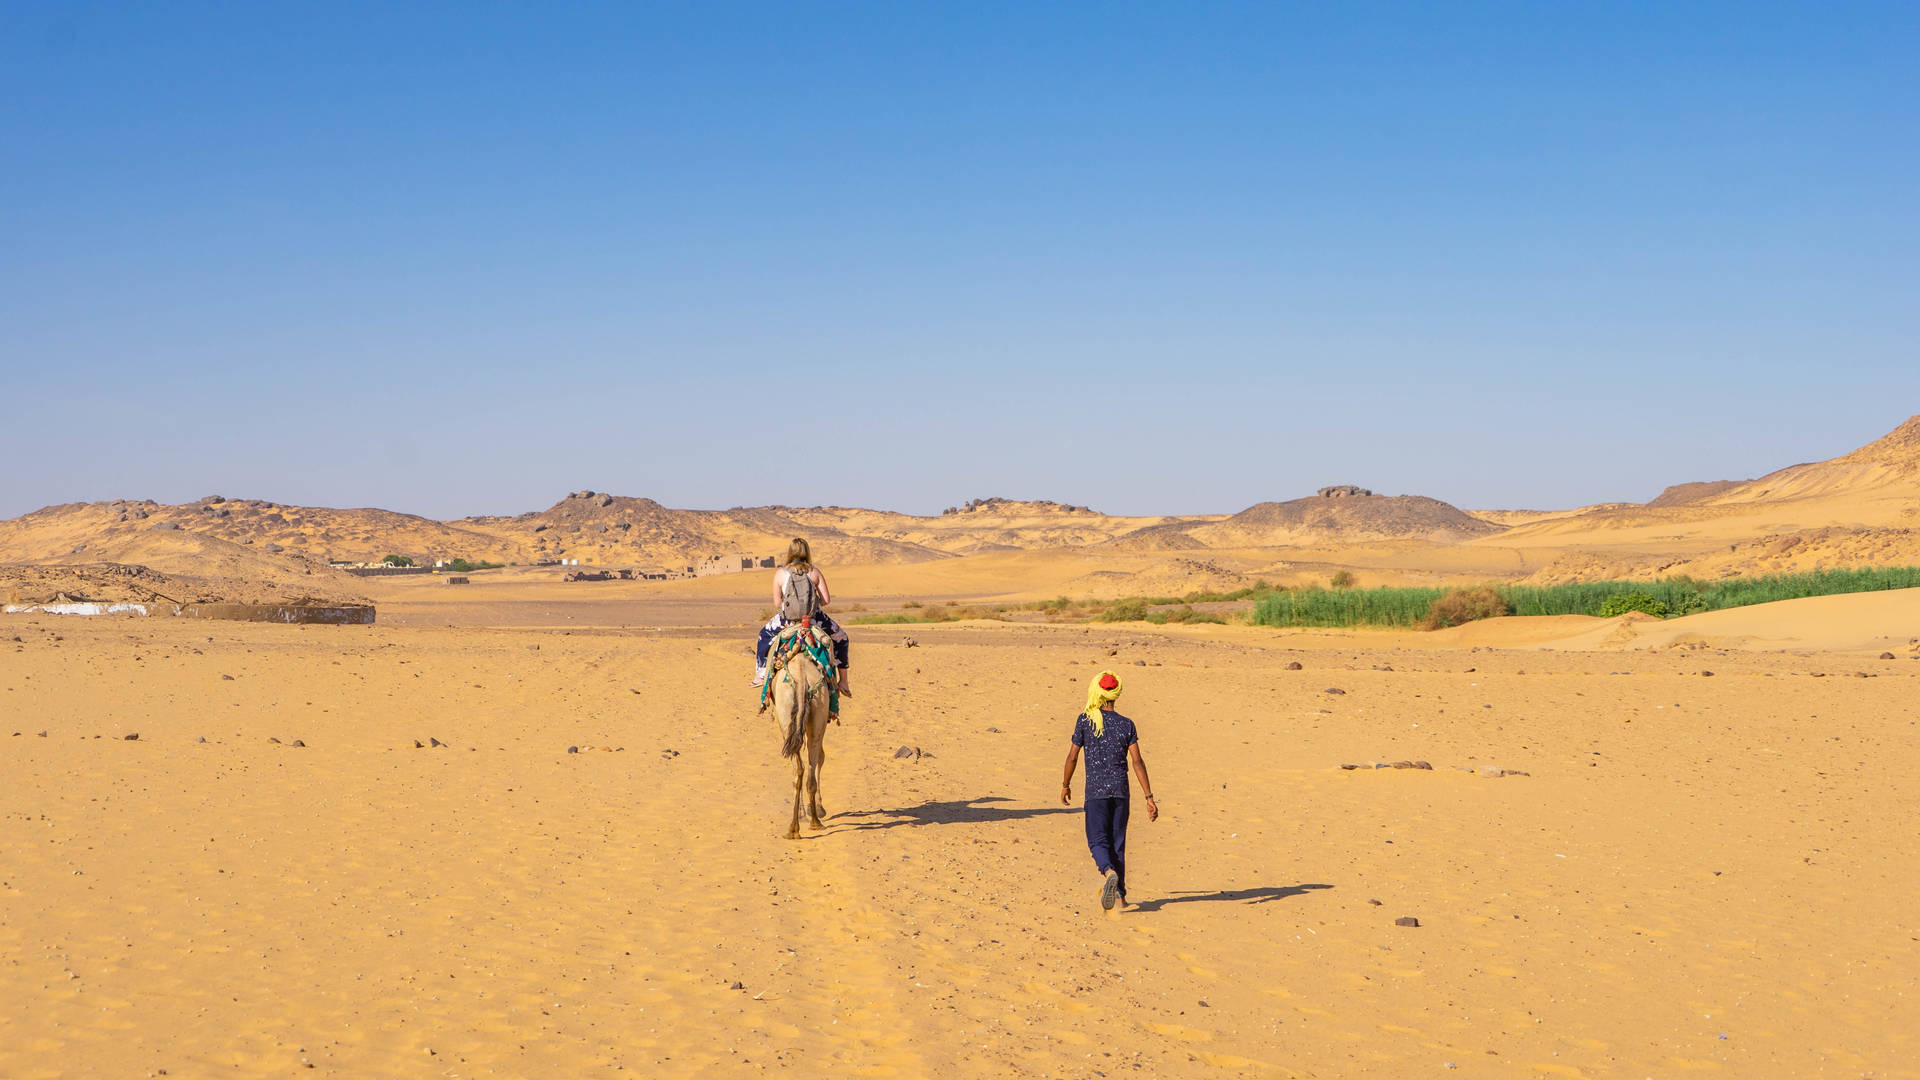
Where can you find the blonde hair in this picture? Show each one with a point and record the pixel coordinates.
(799, 555)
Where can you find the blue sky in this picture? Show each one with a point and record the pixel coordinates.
(1155, 258)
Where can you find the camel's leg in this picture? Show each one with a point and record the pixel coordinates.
(816, 757)
(799, 775)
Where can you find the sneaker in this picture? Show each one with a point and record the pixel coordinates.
(759, 678)
(1110, 891)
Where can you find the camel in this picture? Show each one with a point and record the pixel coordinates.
(801, 693)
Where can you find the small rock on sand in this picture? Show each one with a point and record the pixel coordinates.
(1406, 920)
(906, 752)
(573, 749)
(1334, 690)
(1883, 656)
(1295, 666)
(299, 742)
(131, 736)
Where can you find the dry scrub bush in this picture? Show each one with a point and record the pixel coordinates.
(1465, 606)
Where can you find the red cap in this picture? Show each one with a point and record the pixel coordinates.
(1108, 682)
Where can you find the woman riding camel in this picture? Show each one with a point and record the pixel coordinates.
(800, 591)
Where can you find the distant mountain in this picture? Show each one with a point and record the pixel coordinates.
(1336, 516)
(1698, 491)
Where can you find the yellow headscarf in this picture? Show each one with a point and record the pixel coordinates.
(1098, 695)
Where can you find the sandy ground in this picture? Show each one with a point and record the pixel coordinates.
(1698, 874)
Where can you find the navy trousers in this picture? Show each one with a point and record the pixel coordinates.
(1107, 836)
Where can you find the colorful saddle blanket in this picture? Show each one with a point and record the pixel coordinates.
(790, 642)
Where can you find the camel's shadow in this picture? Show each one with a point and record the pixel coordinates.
(1251, 896)
(951, 812)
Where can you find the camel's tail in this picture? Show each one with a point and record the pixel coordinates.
(796, 732)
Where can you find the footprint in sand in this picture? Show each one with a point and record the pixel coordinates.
(1229, 1061)
(1193, 965)
(1180, 1031)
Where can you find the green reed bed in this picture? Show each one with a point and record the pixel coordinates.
(1403, 607)
(1410, 607)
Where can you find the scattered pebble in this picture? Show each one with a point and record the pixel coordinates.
(1375, 903)
(573, 749)
(1295, 666)
(434, 742)
(1406, 920)
(738, 986)
(1883, 656)
(1334, 690)
(226, 678)
(298, 742)
(131, 736)
(906, 752)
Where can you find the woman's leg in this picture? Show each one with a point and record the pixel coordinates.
(766, 642)
(842, 648)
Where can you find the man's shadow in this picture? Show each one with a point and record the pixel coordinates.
(951, 812)
(1251, 896)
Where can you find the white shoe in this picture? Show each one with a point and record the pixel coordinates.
(759, 678)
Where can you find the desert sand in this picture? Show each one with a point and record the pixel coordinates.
(1688, 873)
(531, 828)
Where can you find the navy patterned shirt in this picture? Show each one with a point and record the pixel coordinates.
(1106, 754)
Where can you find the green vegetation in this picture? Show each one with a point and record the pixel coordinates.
(1342, 579)
(1158, 610)
(1424, 608)
(1315, 606)
(461, 566)
(1429, 608)
(1465, 606)
(397, 560)
(1621, 603)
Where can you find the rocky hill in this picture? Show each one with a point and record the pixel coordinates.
(1890, 462)
(1342, 515)
(1865, 504)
